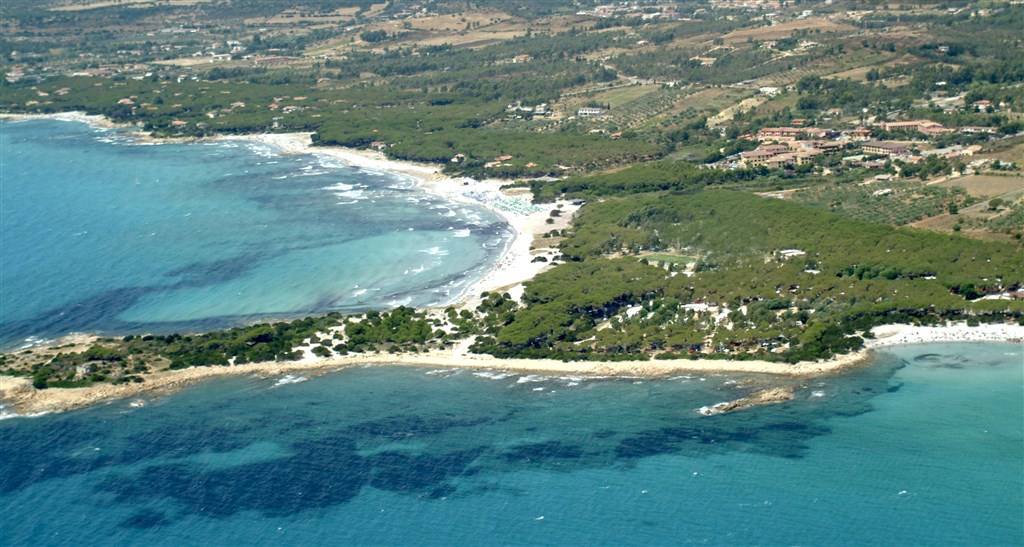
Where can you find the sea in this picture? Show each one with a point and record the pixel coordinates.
(922, 447)
(102, 232)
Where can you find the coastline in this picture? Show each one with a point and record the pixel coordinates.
(901, 335)
(19, 393)
(26, 400)
(514, 267)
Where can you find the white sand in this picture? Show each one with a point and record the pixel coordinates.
(516, 263)
(97, 120)
(896, 335)
(26, 400)
(514, 267)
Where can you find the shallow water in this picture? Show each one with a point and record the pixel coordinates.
(923, 447)
(103, 233)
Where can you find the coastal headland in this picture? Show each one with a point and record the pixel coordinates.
(516, 266)
(26, 400)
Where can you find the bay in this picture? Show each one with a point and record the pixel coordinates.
(101, 232)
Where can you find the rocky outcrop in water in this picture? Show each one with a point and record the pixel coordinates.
(764, 397)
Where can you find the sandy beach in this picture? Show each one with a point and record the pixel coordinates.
(527, 221)
(898, 335)
(19, 394)
(97, 120)
(514, 267)
(25, 400)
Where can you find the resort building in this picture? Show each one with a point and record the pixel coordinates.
(859, 134)
(886, 148)
(790, 133)
(588, 111)
(921, 126)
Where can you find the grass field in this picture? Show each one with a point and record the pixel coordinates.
(1008, 150)
(784, 30)
(618, 97)
(988, 186)
(712, 100)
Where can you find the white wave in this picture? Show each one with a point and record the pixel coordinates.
(33, 341)
(340, 187)
(7, 415)
(817, 394)
(435, 251)
(462, 233)
(360, 292)
(493, 375)
(290, 379)
(532, 378)
(350, 194)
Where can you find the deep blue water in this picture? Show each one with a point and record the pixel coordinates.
(102, 233)
(925, 447)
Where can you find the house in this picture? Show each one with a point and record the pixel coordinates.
(774, 148)
(588, 111)
(781, 160)
(757, 157)
(886, 148)
(790, 133)
(921, 126)
(859, 134)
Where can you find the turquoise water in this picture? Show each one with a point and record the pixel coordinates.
(923, 448)
(102, 233)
